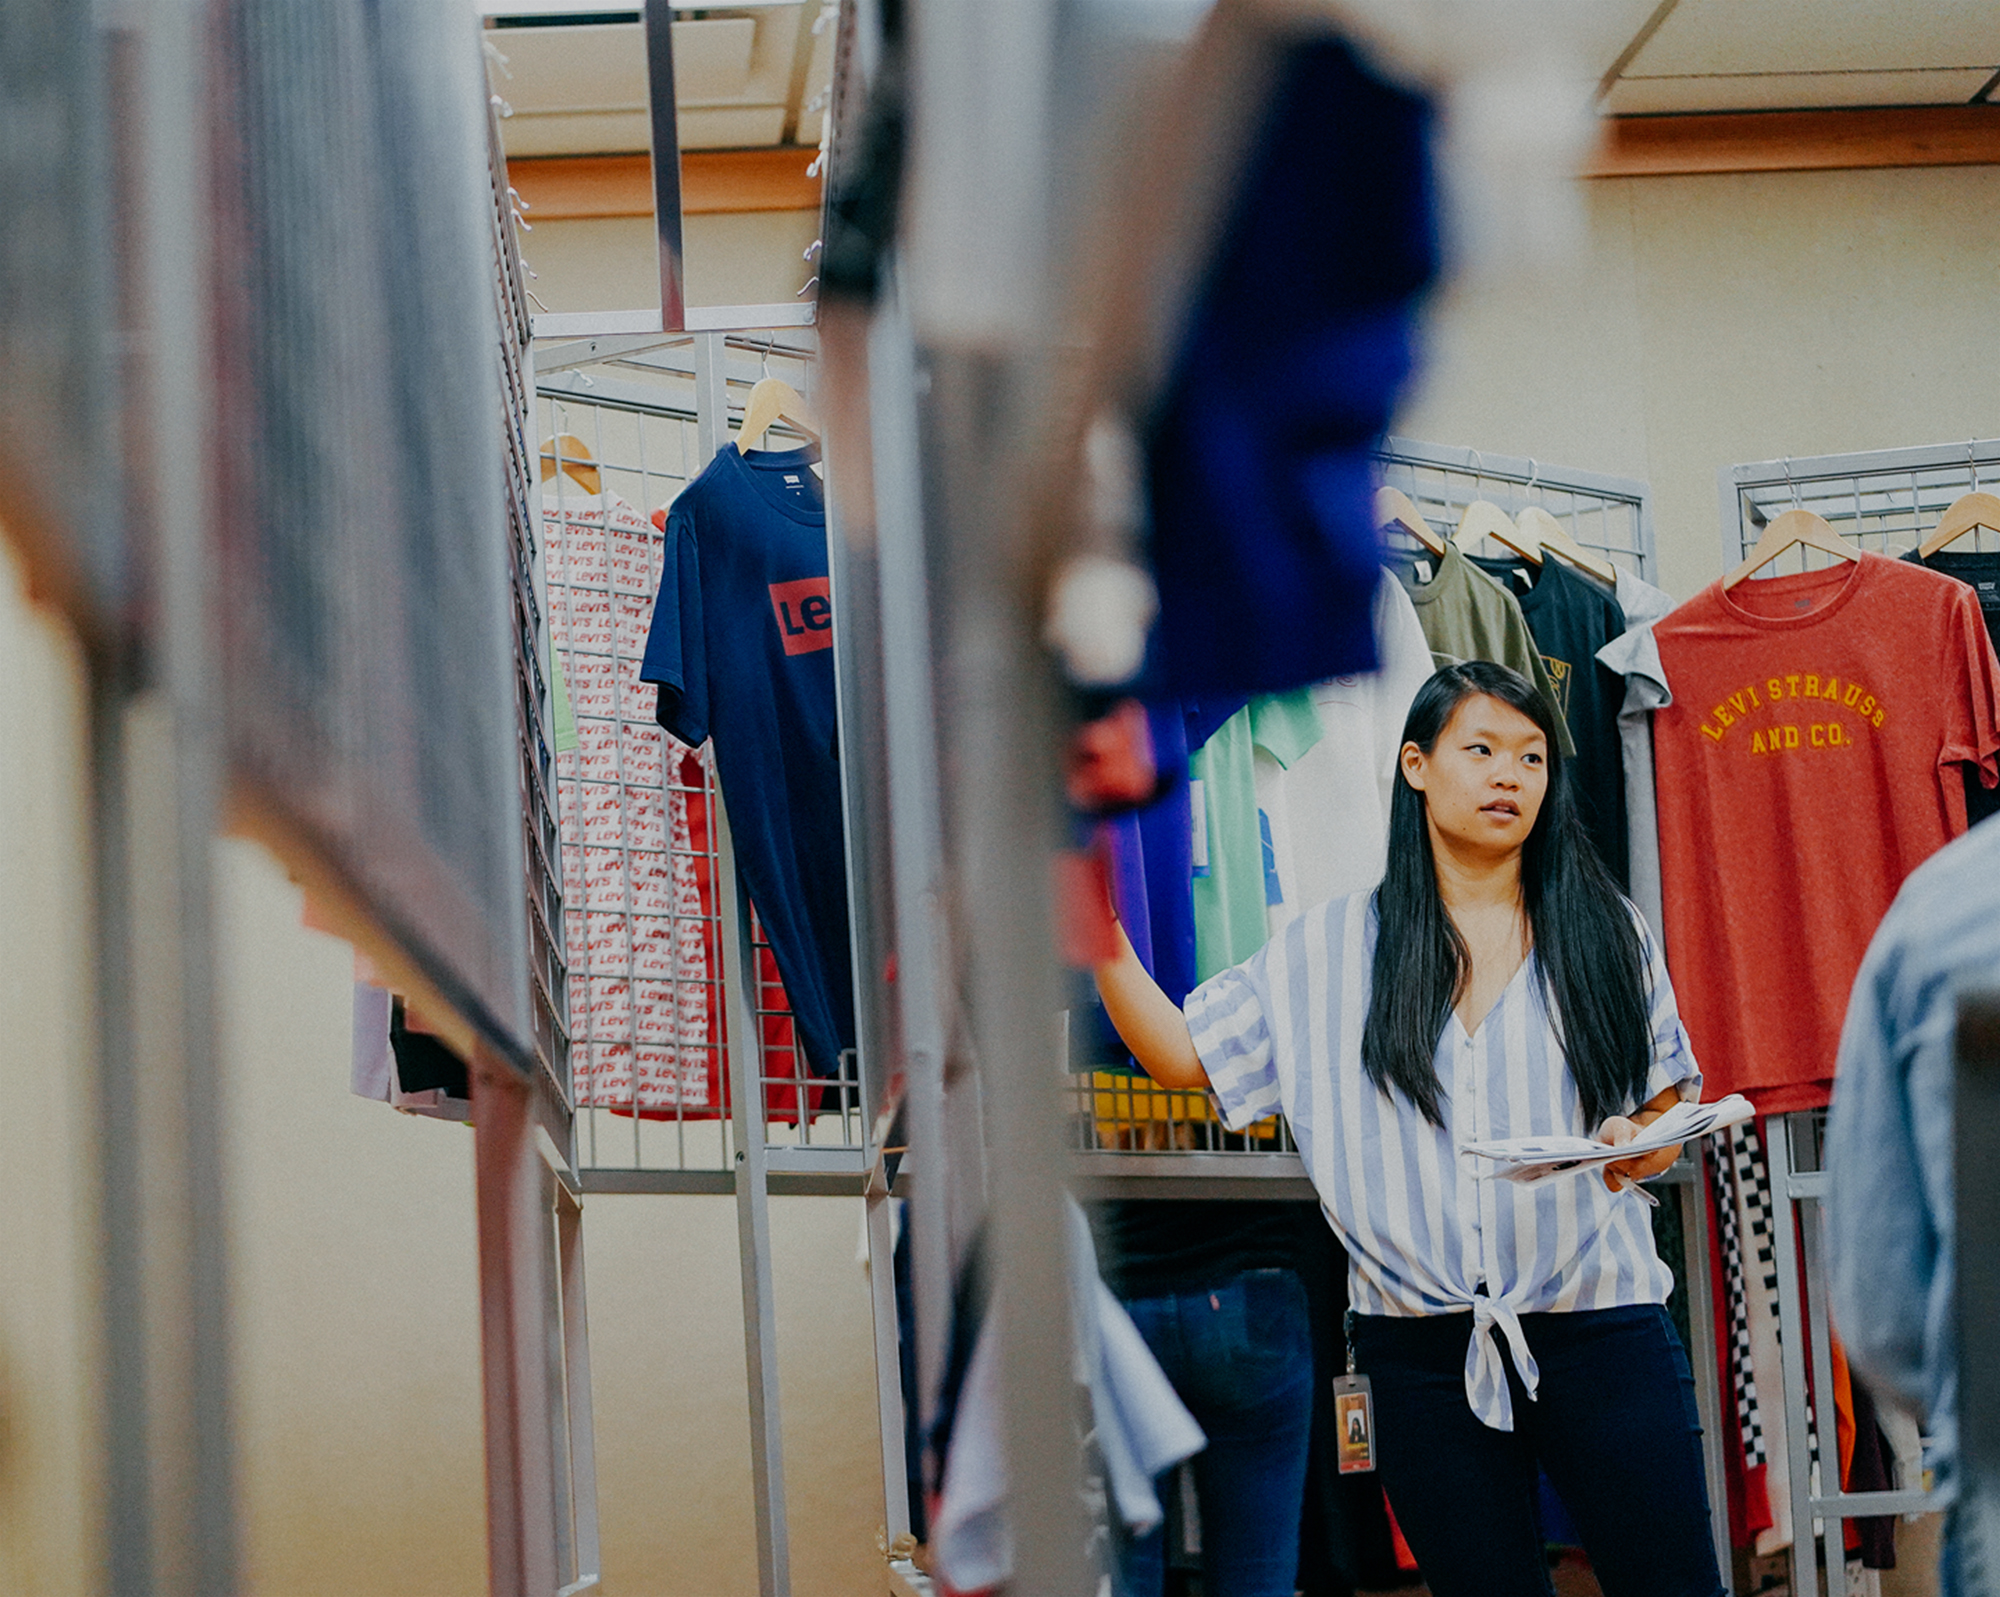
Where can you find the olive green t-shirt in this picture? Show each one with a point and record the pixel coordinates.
(1466, 615)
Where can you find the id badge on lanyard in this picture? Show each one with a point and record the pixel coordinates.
(1354, 1414)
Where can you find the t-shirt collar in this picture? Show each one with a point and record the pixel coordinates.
(1814, 582)
(758, 473)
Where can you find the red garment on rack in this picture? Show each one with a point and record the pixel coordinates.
(1808, 763)
(1747, 1503)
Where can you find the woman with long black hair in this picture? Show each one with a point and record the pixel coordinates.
(1495, 985)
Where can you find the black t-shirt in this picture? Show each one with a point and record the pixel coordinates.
(1571, 618)
(1980, 572)
(1154, 1247)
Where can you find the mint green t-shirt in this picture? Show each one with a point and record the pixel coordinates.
(1229, 876)
(563, 732)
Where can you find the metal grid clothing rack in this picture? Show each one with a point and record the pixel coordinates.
(545, 1251)
(1883, 501)
(534, 702)
(644, 855)
(1610, 515)
(688, 1080)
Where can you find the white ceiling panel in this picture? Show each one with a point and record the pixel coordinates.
(580, 88)
(752, 127)
(712, 58)
(1640, 96)
(588, 67)
(578, 133)
(769, 78)
(1703, 37)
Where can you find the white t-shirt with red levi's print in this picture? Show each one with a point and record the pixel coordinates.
(741, 646)
(644, 1027)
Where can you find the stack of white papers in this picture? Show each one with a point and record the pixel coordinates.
(1538, 1158)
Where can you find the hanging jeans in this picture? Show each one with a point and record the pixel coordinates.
(1240, 1356)
(1614, 1426)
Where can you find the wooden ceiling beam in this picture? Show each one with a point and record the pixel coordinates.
(568, 187)
(1798, 141)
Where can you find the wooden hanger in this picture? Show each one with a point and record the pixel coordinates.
(1537, 525)
(575, 462)
(1794, 528)
(771, 398)
(1484, 519)
(1967, 512)
(1394, 508)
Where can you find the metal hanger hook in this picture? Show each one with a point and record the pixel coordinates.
(1794, 487)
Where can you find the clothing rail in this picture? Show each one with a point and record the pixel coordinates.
(1881, 500)
(1611, 515)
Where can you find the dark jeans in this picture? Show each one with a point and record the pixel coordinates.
(1240, 1356)
(1614, 1427)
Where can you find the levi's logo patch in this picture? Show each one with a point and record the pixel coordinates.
(805, 614)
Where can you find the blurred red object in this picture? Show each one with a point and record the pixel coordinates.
(1109, 764)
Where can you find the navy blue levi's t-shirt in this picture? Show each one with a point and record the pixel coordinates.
(741, 646)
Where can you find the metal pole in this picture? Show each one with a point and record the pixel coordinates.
(1702, 1354)
(854, 551)
(753, 1224)
(1833, 1538)
(169, 1511)
(1791, 1339)
(576, 1379)
(516, 1298)
(916, 829)
(856, 590)
(711, 394)
(665, 121)
(888, 1361)
(1001, 729)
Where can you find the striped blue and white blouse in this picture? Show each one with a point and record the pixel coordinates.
(1424, 1234)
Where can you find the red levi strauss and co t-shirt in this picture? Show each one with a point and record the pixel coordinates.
(1808, 763)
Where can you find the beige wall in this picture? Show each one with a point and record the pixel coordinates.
(355, 1282)
(357, 1313)
(672, 1416)
(1728, 319)
(612, 264)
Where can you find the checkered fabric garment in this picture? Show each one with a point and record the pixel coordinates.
(1743, 1380)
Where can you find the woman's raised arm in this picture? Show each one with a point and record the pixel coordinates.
(1147, 1020)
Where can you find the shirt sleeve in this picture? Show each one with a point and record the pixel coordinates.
(1883, 1246)
(1286, 725)
(1673, 1055)
(1971, 691)
(676, 654)
(1232, 1037)
(1406, 667)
